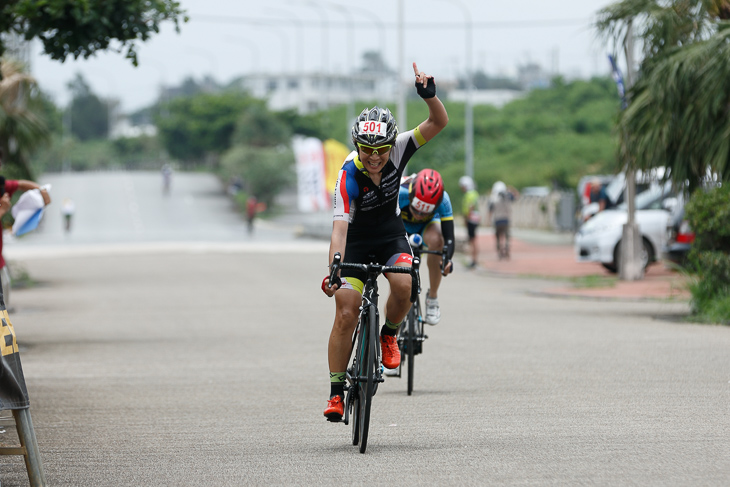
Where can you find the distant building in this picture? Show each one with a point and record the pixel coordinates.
(532, 76)
(497, 98)
(311, 92)
(123, 128)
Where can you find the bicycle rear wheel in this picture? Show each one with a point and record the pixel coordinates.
(367, 384)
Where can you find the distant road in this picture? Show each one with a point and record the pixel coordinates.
(123, 207)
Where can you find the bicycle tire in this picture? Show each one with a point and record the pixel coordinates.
(367, 386)
(411, 344)
(355, 389)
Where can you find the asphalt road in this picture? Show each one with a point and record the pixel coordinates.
(189, 363)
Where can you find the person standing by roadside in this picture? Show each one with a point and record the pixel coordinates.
(7, 188)
(470, 210)
(500, 212)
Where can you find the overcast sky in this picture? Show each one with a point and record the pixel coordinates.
(229, 38)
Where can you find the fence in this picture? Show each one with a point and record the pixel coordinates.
(555, 212)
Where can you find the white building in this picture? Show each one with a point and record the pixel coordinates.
(311, 92)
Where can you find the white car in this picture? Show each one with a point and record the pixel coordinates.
(599, 238)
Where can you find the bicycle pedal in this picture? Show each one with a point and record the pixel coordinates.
(334, 420)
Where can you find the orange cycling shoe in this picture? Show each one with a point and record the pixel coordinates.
(391, 353)
(335, 409)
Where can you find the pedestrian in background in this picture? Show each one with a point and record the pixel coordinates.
(166, 178)
(470, 210)
(68, 208)
(251, 210)
(500, 213)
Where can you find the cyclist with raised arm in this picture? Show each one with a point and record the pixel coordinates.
(426, 210)
(367, 225)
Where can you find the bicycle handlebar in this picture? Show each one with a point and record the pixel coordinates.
(443, 253)
(378, 269)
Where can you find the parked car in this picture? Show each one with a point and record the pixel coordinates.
(599, 238)
(679, 235)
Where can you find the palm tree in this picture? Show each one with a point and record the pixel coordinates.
(22, 129)
(679, 111)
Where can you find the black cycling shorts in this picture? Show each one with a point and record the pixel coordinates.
(382, 250)
(471, 230)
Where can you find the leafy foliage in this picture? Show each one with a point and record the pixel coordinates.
(678, 112)
(708, 212)
(81, 28)
(266, 171)
(259, 127)
(22, 125)
(192, 127)
(684, 125)
(89, 117)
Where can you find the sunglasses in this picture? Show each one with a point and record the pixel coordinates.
(375, 150)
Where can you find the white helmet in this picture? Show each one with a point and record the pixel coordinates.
(499, 187)
(466, 183)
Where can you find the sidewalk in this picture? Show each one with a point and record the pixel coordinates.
(538, 253)
(551, 255)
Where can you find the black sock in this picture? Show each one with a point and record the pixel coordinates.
(337, 384)
(389, 328)
(337, 389)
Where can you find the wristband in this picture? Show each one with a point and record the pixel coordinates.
(429, 91)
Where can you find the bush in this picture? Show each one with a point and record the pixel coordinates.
(708, 212)
(264, 171)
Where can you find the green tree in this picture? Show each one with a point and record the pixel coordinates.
(266, 171)
(22, 126)
(89, 115)
(677, 117)
(192, 128)
(259, 127)
(81, 28)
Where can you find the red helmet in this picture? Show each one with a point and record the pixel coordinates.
(426, 191)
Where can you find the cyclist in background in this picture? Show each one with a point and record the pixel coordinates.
(367, 222)
(426, 210)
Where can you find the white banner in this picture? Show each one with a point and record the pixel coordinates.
(311, 183)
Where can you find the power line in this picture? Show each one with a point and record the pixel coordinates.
(507, 24)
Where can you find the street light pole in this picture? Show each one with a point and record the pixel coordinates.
(402, 115)
(468, 109)
(300, 39)
(468, 105)
(350, 111)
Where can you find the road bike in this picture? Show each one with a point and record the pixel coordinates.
(366, 371)
(411, 333)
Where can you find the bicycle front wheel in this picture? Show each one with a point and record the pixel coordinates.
(411, 343)
(367, 376)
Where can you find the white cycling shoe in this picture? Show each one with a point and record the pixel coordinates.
(433, 312)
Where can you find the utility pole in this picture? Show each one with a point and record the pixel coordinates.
(630, 264)
(402, 115)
